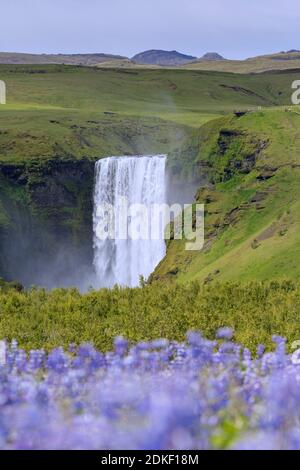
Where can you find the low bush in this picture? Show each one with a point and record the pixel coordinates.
(256, 311)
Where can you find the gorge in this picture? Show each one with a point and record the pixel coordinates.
(48, 236)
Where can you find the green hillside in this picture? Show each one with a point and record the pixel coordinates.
(252, 201)
(62, 111)
(78, 111)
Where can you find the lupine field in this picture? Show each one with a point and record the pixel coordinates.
(198, 394)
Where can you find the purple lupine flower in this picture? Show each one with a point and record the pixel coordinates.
(225, 333)
(155, 395)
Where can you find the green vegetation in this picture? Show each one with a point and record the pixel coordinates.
(251, 199)
(63, 110)
(8, 286)
(256, 311)
(56, 111)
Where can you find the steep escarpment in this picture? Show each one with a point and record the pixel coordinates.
(252, 201)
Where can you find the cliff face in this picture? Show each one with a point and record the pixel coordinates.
(251, 202)
(46, 221)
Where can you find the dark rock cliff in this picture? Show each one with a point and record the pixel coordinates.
(46, 221)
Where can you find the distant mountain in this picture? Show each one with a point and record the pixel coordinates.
(68, 59)
(285, 60)
(293, 54)
(212, 56)
(159, 57)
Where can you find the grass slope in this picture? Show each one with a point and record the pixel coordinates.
(252, 209)
(62, 110)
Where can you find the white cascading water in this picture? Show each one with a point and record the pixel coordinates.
(141, 180)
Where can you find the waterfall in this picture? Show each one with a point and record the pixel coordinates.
(141, 180)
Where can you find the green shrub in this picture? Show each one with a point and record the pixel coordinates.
(256, 311)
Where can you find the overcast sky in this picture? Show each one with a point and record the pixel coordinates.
(234, 28)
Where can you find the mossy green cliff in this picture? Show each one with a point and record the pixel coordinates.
(252, 201)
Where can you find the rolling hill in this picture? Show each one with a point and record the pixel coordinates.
(67, 59)
(210, 61)
(281, 61)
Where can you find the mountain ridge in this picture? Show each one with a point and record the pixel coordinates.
(156, 58)
(67, 59)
